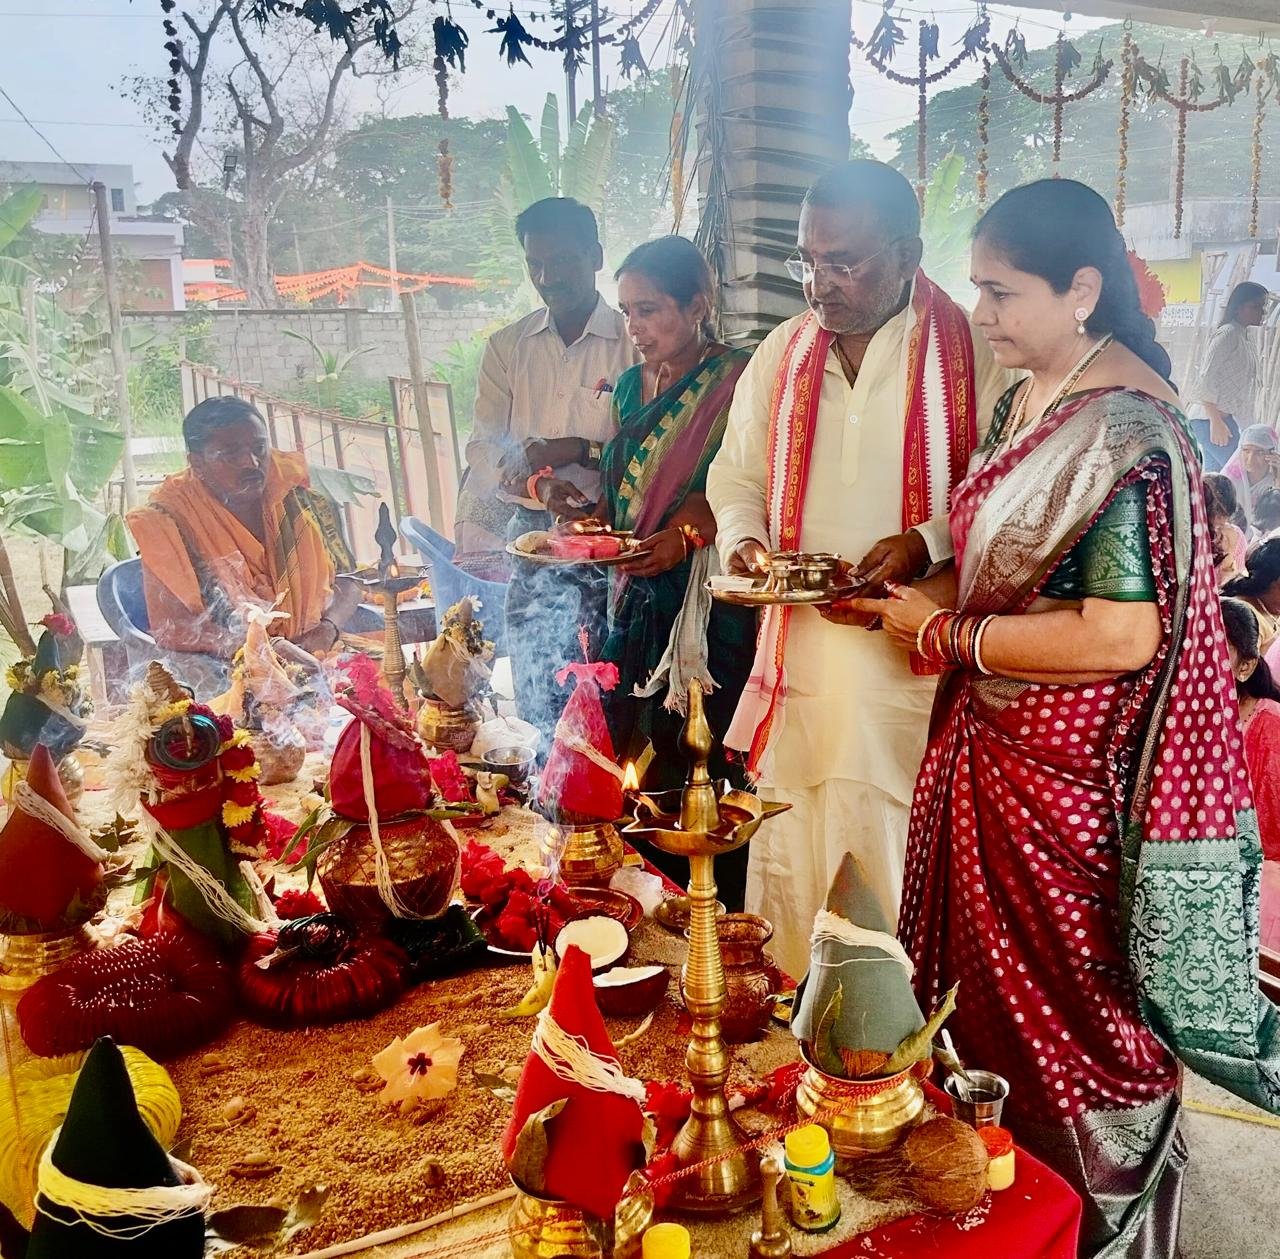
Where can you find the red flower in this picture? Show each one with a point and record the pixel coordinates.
(1151, 294)
(298, 904)
(668, 1105)
(277, 840)
(59, 624)
(237, 757)
(241, 793)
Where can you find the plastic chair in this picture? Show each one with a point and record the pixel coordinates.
(449, 583)
(123, 605)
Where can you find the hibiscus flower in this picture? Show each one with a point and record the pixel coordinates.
(421, 1067)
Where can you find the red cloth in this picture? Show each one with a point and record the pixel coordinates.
(42, 876)
(574, 783)
(1262, 754)
(401, 775)
(594, 1143)
(1037, 1217)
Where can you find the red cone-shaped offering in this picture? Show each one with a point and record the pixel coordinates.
(46, 882)
(582, 780)
(585, 1151)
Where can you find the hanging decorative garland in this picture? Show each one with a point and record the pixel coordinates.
(1127, 82)
(889, 35)
(1065, 59)
(451, 50)
(444, 174)
(984, 121)
(1155, 82)
(174, 49)
(1265, 84)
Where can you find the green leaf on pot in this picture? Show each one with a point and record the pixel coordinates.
(919, 1045)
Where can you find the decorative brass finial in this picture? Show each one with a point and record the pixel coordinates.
(385, 537)
(698, 809)
(771, 1240)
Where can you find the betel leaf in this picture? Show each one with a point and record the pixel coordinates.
(825, 1053)
(919, 1045)
(528, 1165)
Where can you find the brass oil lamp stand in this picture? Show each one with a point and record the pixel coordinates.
(699, 821)
(390, 579)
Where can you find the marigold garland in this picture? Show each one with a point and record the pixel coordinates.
(1255, 159)
(984, 120)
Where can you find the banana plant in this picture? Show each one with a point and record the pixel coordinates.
(331, 364)
(542, 168)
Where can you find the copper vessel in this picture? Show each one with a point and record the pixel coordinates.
(279, 759)
(589, 855)
(861, 1116)
(447, 728)
(546, 1228)
(751, 977)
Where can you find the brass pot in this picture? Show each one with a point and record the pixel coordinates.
(589, 855)
(26, 958)
(447, 728)
(70, 773)
(546, 1228)
(860, 1116)
(751, 976)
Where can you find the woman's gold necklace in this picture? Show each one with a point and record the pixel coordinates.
(1068, 384)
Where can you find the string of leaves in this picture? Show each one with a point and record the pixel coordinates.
(174, 49)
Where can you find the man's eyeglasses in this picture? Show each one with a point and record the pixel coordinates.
(805, 272)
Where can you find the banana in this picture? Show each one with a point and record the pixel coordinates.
(544, 978)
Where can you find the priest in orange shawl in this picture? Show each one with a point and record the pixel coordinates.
(240, 524)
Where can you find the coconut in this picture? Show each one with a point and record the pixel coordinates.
(946, 1164)
(631, 991)
(604, 940)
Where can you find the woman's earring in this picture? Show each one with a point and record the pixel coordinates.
(1081, 316)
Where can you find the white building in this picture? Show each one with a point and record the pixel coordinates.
(152, 245)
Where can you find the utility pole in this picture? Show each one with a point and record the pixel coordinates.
(418, 380)
(598, 102)
(297, 250)
(391, 252)
(119, 363)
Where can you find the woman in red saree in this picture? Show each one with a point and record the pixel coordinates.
(1083, 857)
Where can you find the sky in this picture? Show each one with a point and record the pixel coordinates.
(64, 63)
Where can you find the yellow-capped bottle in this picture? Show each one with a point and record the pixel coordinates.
(665, 1241)
(811, 1177)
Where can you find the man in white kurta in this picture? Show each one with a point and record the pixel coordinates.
(848, 742)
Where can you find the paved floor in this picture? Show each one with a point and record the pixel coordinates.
(1232, 1205)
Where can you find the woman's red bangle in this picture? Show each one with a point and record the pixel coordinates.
(531, 485)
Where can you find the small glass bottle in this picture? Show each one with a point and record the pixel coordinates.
(811, 1176)
(665, 1241)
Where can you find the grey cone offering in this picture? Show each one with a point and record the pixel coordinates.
(878, 1008)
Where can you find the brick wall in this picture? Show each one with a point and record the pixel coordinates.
(250, 345)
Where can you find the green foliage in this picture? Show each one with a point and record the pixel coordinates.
(947, 223)
(331, 364)
(58, 443)
(460, 368)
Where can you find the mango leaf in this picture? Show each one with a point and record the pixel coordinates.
(825, 1052)
(498, 1085)
(17, 210)
(528, 1163)
(248, 1225)
(919, 1045)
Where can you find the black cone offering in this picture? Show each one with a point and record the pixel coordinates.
(108, 1190)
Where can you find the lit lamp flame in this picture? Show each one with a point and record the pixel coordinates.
(630, 779)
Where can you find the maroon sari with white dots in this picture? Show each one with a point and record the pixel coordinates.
(1084, 859)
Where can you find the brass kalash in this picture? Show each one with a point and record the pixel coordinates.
(700, 821)
(390, 579)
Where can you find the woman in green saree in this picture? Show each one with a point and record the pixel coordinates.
(671, 410)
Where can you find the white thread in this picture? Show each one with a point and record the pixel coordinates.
(220, 902)
(573, 740)
(95, 1205)
(266, 909)
(381, 866)
(29, 801)
(831, 926)
(570, 1059)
